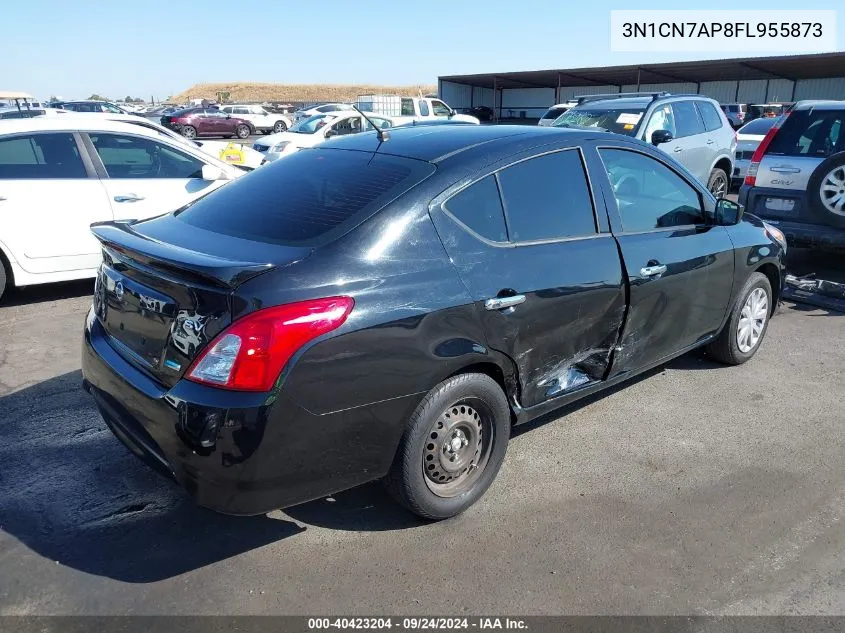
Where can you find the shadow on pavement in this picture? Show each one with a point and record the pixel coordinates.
(47, 292)
(73, 494)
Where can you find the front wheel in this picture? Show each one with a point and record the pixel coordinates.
(242, 131)
(280, 126)
(746, 327)
(717, 184)
(453, 447)
(189, 131)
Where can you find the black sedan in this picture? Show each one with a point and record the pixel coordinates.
(390, 308)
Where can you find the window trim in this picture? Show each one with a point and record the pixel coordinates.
(694, 109)
(87, 162)
(636, 150)
(495, 173)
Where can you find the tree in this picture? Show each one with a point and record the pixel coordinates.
(96, 97)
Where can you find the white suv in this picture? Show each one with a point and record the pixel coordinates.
(260, 118)
(59, 175)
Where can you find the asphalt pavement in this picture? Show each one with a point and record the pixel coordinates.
(698, 488)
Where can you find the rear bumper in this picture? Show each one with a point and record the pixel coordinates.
(268, 452)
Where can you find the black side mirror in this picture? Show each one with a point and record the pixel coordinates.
(661, 136)
(728, 212)
(329, 134)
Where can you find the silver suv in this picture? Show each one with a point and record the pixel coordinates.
(692, 129)
(796, 178)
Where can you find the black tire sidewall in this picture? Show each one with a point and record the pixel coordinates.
(756, 280)
(714, 173)
(814, 198)
(282, 127)
(4, 279)
(456, 389)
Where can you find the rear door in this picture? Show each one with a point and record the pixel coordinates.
(145, 177)
(49, 196)
(679, 266)
(698, 147)
(545, 277)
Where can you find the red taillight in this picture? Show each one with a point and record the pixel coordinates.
(249, 355)
(751, 174)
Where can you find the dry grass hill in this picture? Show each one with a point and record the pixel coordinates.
(294, 92)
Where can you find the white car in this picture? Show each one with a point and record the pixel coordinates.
(261, 119)
(230, 152)
(326, 108)
(315, 130)
(58, 175)
(554, 112)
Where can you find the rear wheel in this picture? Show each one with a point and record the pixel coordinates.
(826, 190)
(741, 337)
(453, 447)
(242, 131)
(717, 184)
(189, 131)
(4, 279)
(279, 126)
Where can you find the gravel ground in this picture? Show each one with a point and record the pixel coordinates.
(695, 489)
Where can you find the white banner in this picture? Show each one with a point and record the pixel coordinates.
(753, 31)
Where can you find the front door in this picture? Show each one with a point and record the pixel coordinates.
(48, 199)
(680, 266)
(145, 177)
(546, 283)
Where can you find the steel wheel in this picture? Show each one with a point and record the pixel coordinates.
(189, 132)
(752, 320)
(279, 126)
(457, 450)
(242, 131)
(832, 191)
(719, 186)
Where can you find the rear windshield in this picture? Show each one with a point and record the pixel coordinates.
(620, 120)
(757, 126)
(816, 133)
(555, 112)
(308, 198)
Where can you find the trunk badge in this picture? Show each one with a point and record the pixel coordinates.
(118, 290)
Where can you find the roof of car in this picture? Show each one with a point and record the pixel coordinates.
(72, 122)
(436, 143)
(820, 105)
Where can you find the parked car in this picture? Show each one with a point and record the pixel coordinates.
(325, 108)
(554, 112)
(690, 128)
(748, 138)
(764, 110)
(796, 178)
(261, 119)
(207, 121)
(60, 174)
(482, 113)
(388, 309)
(735, 113)
(315, 130)
(91, 106)
(236, 154)
(407, 109)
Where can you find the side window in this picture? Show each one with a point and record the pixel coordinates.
(440, 108)
(480, 208)
(661, 119)
(110, 108)
(547, 198)
(352, 125)
(135, 157)
(424, 111)
(382, 124)
(227, 110)
(687, 121)
(712, 120)
(648, 194)
(408, 107)
(40, 156)
(241, 110)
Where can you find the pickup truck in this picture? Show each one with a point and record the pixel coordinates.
(406, 109)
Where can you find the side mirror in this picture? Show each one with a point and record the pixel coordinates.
(728, 212)
(210, 172)
(661, 136)
(330, 133)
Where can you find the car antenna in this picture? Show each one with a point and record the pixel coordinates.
(382, 135)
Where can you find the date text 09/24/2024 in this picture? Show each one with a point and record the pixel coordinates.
(416, 623)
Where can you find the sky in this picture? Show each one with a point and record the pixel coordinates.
(116, 48)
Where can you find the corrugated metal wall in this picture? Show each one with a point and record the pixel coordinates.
(779, 90)
(532, 101)
(829, 88)
(721, 91)
(456, 95)
(482, 96)
(667, 87)
(752, 91)
(567, 93)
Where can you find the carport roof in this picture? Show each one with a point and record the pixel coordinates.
(791, 67)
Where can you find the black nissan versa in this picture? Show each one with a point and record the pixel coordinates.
(389, 308)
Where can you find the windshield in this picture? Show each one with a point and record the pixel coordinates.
(619, 120)
(555, 112)
(311, 124)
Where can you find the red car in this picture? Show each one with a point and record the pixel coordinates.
(193, 122)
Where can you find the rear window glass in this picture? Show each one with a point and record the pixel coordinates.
(757, 126)
(712, 120)
(687, 121)
(554, 113)
(308, 198)
(810, 133)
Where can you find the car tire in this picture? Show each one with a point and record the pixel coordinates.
(189, 131)
(831, 170)
(730, 346)
(242, 131)
(718, 183)
(280, 126)
(452, 448)
(4, 279)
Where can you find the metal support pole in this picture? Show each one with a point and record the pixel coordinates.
(638, 80)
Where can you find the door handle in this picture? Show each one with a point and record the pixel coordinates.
(128, 198)
(653, 271)
(710, 141)
(678, 149)
(785, 170)
(498, 303)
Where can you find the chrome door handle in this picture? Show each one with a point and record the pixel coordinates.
(785, 170)
(678, 149)
(653, 271)
(710, 142)
(504, 302)
(129, 198)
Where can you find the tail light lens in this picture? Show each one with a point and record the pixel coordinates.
(249, 355)
(751, 174)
